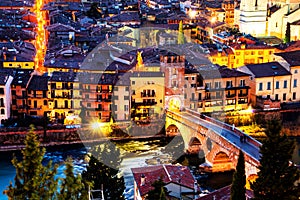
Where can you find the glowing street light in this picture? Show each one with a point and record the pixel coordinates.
(192, 14)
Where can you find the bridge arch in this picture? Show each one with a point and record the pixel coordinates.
(195, 145)
(222, 162)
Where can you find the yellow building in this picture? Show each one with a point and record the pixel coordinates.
(241, 54)
(64, 94)
(37, 96)
(147, 95)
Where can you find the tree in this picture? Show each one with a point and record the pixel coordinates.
(180, 33)
(159, 192)
(33, 180)
(277, 175)
(287, 38)
(102, 171)
(72, 187)
(238, 189)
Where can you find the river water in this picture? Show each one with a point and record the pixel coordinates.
(135, 154)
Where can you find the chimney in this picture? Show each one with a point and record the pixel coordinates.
(143, 180)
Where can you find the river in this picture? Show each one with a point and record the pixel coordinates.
(135, 154)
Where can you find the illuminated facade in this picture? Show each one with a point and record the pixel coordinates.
(64, 94)
(241, 54)
(37, 96)
(253, 17)
(5, 96)
(217, 89)
(271, 84)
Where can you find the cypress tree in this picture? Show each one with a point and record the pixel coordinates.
(238, 189)
(32, 180)
(287, 38)
(277, 175)
(180, 33)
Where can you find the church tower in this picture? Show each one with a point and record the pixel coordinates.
(253, 17)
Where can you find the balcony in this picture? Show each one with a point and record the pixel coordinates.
(104, 91)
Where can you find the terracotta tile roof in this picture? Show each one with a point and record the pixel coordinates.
(169, 174)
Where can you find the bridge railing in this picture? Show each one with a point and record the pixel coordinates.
(226, 126)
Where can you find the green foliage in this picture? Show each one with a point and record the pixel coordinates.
(238, 189)
(159, 192)
(287, 38)
(180, 34)
(277, 176)
(102, 171)
(72, 187)
(32, 180)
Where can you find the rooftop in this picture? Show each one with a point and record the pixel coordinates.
(267, 69)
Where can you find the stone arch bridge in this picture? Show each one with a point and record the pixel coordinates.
(217, 141)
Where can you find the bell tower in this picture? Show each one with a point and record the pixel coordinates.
(253, 17)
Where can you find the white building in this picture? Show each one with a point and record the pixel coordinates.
(5, 96)
(253, 17)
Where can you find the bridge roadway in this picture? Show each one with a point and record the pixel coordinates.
(250, 147)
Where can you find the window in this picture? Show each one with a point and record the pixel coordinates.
(242, 83)
(295, 83)
(116, 89)
(126, 97)
(193, 78)
(1, 90)
(199, 96)
(126, 108)
(276, 97)
(2, 102)
(269, 86)
(285, 84)
(45, 102)
(228, 84)
(133, 82)
(184, 96)
(284, 96)
(294, 95)
(207, 85)
(88, 105)
(133, 92)
(126, 88)
(296, 71)
(260, 87)
(277, 85)
(2, 111)
(217, 84)
(116, 97)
